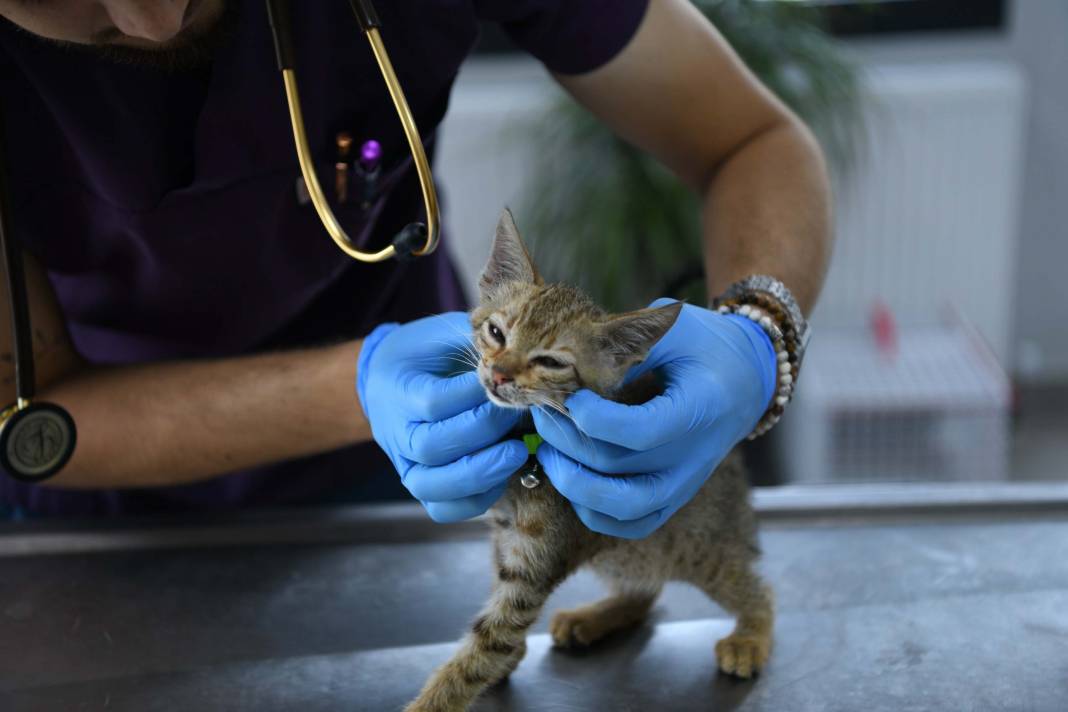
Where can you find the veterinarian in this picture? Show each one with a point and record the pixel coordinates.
(204, 334)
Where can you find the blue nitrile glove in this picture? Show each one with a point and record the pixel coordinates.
(719, 372)
(439, 431)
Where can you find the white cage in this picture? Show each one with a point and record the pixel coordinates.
(936, 408)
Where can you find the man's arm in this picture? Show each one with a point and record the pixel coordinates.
(680, 92)
(174, 423)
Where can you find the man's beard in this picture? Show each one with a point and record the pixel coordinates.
(192, 52)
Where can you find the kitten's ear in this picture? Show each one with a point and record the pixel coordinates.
(628, 337)
(509, 260)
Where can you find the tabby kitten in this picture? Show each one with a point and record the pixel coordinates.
(537, 343)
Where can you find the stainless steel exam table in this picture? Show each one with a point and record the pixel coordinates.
(897, 598)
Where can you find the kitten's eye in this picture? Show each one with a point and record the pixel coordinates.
(496, 333)
(548, 362)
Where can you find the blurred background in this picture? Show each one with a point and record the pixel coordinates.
(939, 351)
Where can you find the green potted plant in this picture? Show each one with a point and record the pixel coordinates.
(613, 221)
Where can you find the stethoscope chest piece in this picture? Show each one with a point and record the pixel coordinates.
(36, 441)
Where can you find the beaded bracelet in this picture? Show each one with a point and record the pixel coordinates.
(786, 360)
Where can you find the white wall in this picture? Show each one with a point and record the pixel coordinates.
(482, 160)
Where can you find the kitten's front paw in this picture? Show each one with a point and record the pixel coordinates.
(743, 655)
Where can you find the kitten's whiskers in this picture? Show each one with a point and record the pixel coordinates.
(463, 352)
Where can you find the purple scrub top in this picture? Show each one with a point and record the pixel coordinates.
(163, 205)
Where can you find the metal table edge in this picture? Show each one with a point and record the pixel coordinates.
(398, 523)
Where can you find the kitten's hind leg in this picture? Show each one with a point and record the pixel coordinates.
(579, 627)
(740, 591)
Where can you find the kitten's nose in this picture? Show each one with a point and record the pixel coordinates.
(500, 377)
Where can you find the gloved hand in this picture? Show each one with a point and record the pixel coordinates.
(720, 373)
(439, 431)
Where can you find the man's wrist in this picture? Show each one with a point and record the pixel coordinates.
(767, 302)
(771, 295)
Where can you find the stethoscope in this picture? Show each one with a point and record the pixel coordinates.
(37, 438)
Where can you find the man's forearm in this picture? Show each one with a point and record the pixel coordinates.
(174, 423)
(767, 211)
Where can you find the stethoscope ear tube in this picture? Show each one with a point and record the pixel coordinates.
(279, 17)
(282, 32)
(16, 289)
(365, 14)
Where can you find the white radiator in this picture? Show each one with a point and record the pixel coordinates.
(926, 227)
(928, 223)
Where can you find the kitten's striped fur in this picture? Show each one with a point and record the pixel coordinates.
(538, 541)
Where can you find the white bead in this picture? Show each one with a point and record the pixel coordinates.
(724, 309)
(782, 356)
(786, 378)
(744, 309)
(784, 367)
(765, 321)
(529, 480)
(754, 315)
(782, 400)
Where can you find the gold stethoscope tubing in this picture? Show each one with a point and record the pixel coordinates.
(415, 145)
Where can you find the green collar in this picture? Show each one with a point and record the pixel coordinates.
(532, 441)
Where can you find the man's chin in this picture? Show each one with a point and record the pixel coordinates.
(195, 48)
